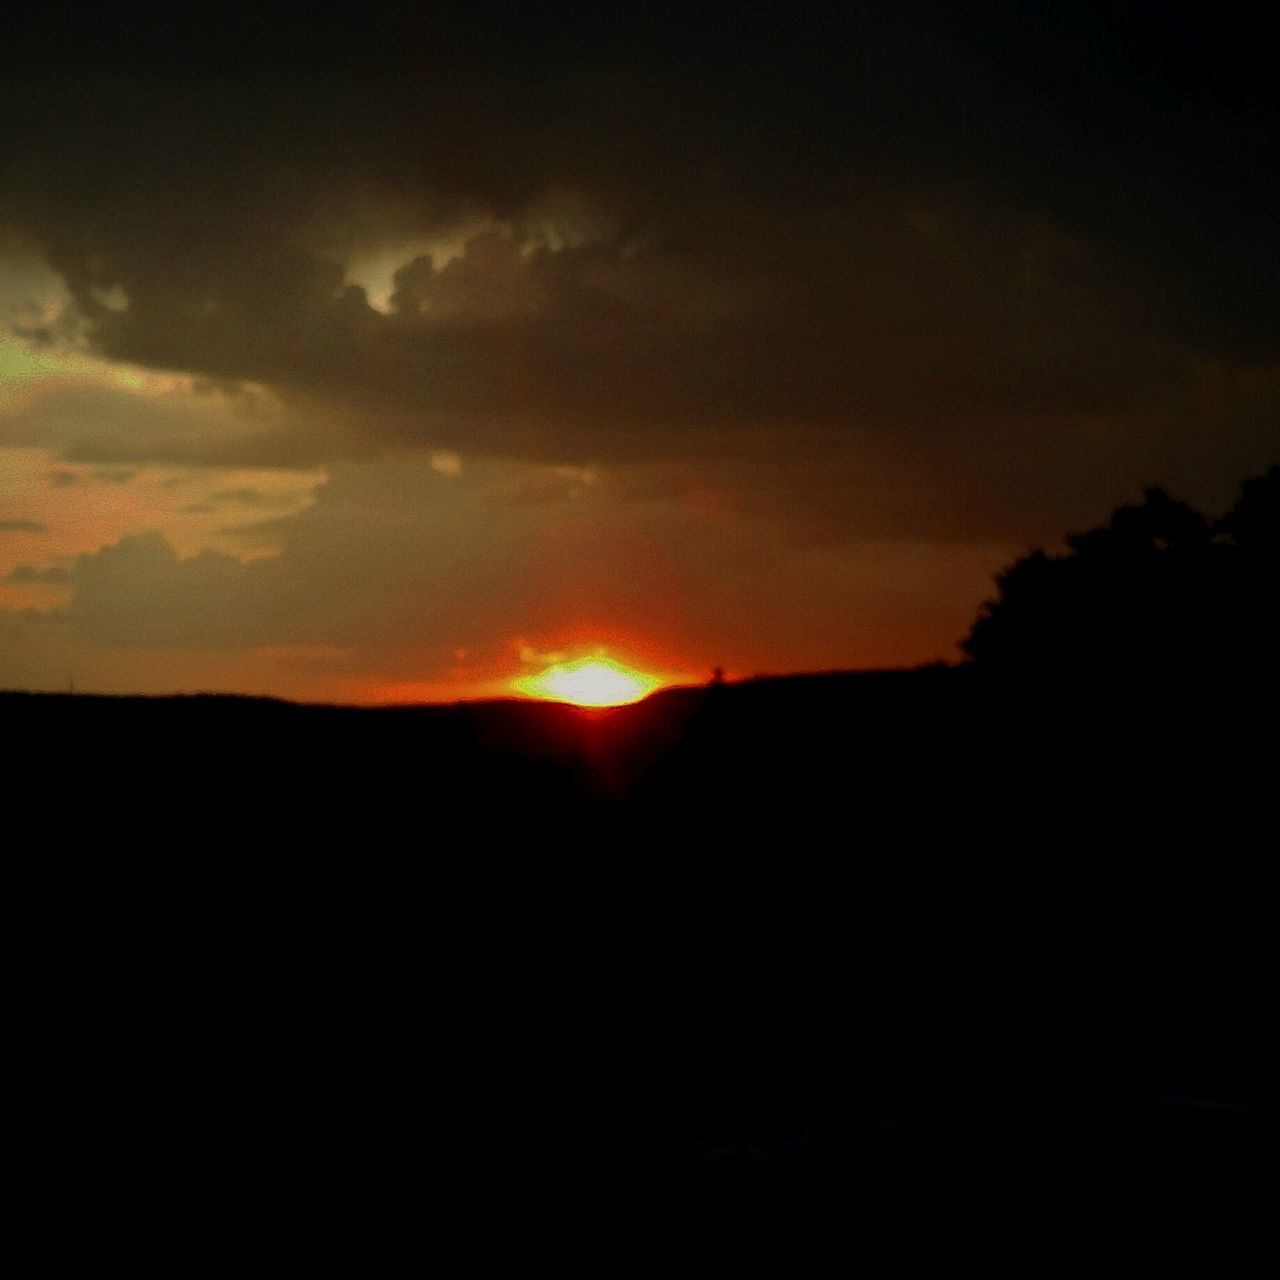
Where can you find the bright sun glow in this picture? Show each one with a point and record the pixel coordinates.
(589, 682)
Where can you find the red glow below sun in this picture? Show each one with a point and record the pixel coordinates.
(589, 682)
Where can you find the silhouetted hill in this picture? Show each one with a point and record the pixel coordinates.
(886, 966)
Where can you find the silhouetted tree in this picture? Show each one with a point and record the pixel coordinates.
(1251, 595)
(1253, 524)
(1158, 589)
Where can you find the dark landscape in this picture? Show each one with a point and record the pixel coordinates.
(865, 967)
(855, 967)
(640, 639)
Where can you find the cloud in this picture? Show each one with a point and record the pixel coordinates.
(397, 568)
(138, 592)
(684, 322)
(607, 352)
(250, 496)
(95, 421)
(661, 247)
(54, 575)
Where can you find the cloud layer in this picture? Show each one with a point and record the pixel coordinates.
(832, 277)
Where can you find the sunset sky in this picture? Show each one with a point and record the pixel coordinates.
(401, 353)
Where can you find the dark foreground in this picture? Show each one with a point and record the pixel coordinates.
(876, 970)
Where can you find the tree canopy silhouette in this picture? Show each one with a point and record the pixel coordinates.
(1160, 589)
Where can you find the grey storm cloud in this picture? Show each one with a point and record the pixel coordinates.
(827, 238)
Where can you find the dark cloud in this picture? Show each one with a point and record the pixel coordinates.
(247, 496)
(22, 526)
(935, 267)
(55, 575)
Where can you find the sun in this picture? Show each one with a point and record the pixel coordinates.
(589, 682)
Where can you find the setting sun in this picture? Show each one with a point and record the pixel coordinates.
(589, 682)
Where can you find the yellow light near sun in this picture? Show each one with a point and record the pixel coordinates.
(589, 682)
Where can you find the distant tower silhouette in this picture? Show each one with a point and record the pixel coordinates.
(717, 676)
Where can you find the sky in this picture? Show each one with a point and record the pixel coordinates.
(398, 353)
